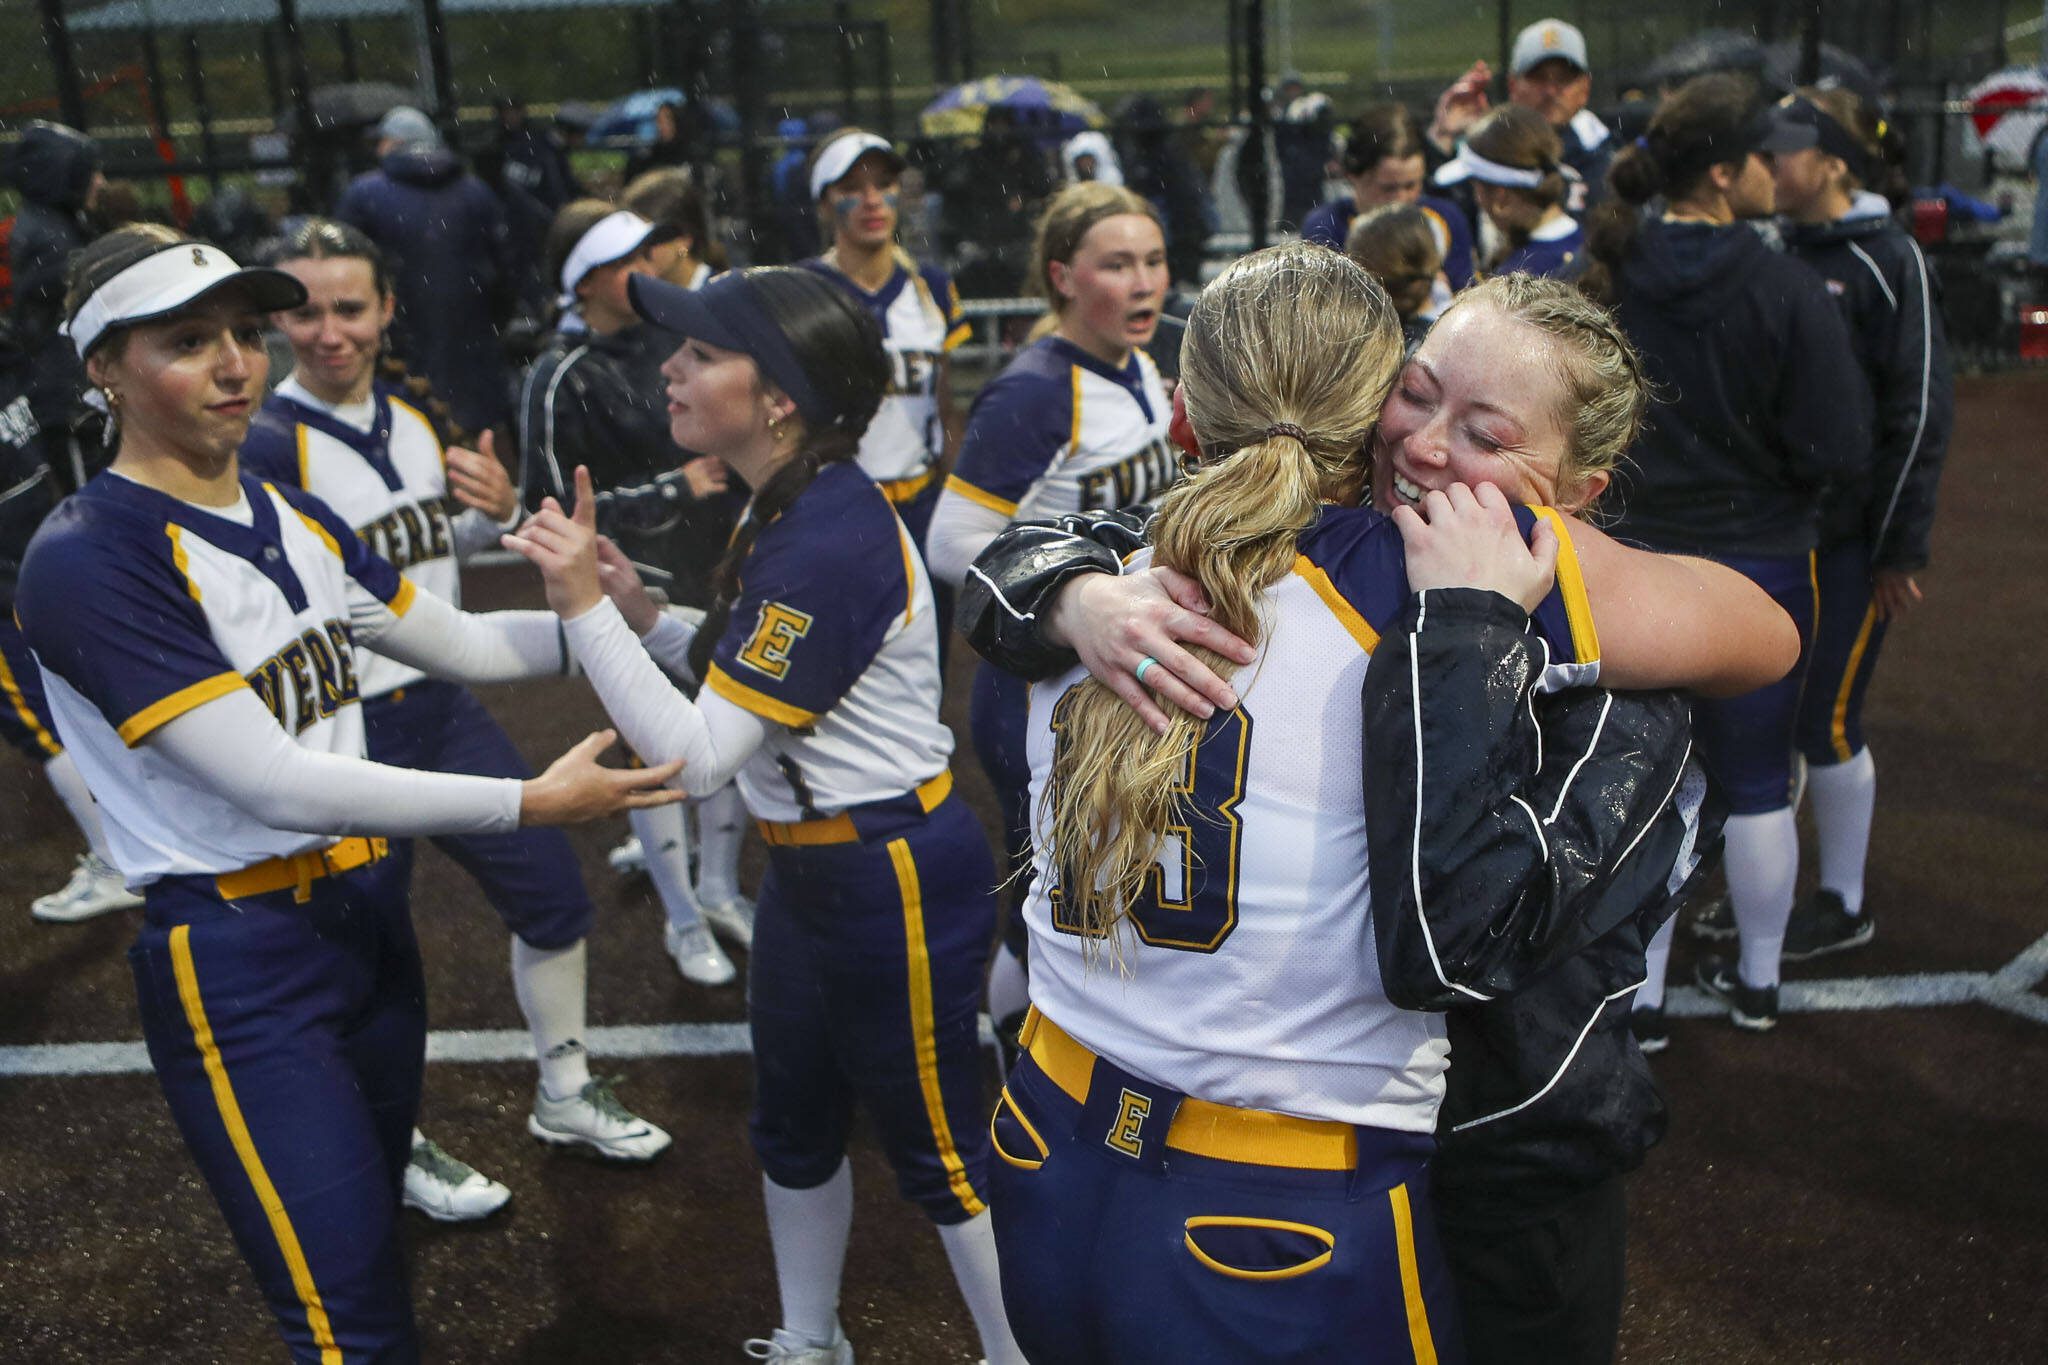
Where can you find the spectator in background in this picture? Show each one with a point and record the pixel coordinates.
(794, 223)
(1302, 133)
(1155, 167)
(56, 171)
(1088, 156)
(533, 157)
(445, 238)
(1548, 72)
(1512, 160)
(1383, 162)
(993, 196)
(675, 141)
(1195, 139)
(1397, 245)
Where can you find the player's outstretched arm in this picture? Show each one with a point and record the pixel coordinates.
(234, 748)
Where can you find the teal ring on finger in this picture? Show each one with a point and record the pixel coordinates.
(1147, 662)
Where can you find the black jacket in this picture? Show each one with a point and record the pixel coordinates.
(1555, 834)
(52, 168)
(27, 492)
(1759, 402)
(600, 401)
(1887, 296)
(1546, 1092)
(445, 239)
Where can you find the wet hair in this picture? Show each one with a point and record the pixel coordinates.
(1067, 220)
(323, 239)
(1604, 389)
(1706, 122)
(1522, 138)
(828, 222)
(1288, 359)
(1381, 131)
(668, 195)
(838, 344)
(1395, 244)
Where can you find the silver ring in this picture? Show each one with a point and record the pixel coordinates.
(1147, 662)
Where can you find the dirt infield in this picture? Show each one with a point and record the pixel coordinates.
(1866, 1184)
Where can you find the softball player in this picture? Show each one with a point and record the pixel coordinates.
(1515, 162)
(1255, 1103)
(819, 662)
(1872, 544)
(1077, 420)
(27, 493)
(590, 399)
(335, 431)
(855, 178)
(1761, 406)
(208, 684)
(1384, 163)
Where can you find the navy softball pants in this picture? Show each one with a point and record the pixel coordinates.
(1746, 741)
(862, 989)
(1846, 639)
(290, 1041)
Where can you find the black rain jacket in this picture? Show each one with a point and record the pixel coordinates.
(1758, 403)
(1888, 297)
(1538, 925)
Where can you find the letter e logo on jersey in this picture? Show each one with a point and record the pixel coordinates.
(1127, 1134)
(780, 628)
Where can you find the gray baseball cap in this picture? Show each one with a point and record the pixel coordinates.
(1547, 38)
(409, 127)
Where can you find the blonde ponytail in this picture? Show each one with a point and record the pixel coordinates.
(1288, 357)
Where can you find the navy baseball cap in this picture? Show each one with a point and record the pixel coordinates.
(1798, 123)
(728, 313)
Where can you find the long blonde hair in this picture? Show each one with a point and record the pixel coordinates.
(1288, 357)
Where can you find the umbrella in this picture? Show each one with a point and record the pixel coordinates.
(1716, 49)
(1837, 67)
(1041, 106)
(2007, 111)
(351, 106)
(632, 116)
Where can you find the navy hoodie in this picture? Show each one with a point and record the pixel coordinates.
(444, 237)
(1759, 405)
(1879, 278)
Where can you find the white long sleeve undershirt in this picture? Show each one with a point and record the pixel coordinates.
(961, 529)
(235, 748)
(469, 647)
(712, 736)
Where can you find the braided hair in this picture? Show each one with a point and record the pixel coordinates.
(839, 345)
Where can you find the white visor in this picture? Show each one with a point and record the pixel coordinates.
(838, 158)
(1469, 165)
(611, 238)
(165, 281)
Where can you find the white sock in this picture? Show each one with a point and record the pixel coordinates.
(1657, 964)
(971, 1247)
(808, 1229)
(77, 799)
(549, 983)
(721, 826)
(1009, 988)
(1844, 798)
(1762, 865)
(664, 838)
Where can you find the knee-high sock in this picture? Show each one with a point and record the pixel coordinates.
(721, 825)
(1657, 963)
(665, 842)
(808, 1229)
(1009, 988)
(550, 985)
(1762, 864)
(85, 811)
(971, 1247)
(1844, 798)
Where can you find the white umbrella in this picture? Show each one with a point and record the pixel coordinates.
(2008, 110)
